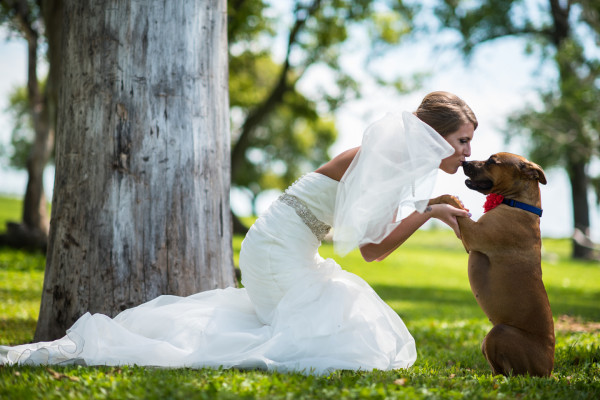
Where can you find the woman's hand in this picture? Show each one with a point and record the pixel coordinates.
(448, 214)
(442, 211)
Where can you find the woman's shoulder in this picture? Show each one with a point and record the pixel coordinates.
(336, 168)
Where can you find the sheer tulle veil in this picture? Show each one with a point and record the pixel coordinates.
(393, 174)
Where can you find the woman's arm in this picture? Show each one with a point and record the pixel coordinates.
(336, 168)
(444, 212)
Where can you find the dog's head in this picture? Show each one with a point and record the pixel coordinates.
(502, 173)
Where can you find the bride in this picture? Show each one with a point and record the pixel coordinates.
(298, 311)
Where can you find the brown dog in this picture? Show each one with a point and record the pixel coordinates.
(505, 272)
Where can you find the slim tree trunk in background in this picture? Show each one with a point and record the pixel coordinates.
(576, 168)
(32, 231)
(581, 209)
(141, 195)
(35, 214)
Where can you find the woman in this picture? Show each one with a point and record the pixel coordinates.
(298, 311)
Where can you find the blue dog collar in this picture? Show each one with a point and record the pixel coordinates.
(523, 206)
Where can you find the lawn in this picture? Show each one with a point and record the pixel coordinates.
(10, 210)
(425, 281)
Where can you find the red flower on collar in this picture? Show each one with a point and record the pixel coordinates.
(492, 200)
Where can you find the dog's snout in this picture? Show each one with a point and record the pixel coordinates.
(467, 166)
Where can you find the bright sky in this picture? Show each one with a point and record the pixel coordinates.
(498, 80)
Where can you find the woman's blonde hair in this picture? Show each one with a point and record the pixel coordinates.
(445, 112)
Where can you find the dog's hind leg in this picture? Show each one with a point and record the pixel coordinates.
(511, 351)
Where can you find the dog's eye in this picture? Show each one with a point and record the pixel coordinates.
(490, 161)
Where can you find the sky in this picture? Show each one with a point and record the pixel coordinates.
(498, 80)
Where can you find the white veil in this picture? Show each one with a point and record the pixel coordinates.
(393, 173)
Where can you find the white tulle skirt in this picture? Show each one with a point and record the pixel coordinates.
(296, 312)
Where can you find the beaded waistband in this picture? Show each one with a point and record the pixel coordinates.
(318, 228)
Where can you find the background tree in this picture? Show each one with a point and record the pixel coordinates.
(564, 129)
(36, 106)
(280, 132)
(141, 195)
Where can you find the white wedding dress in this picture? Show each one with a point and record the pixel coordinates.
(296, 312)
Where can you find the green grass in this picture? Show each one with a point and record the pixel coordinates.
(21, 277)
(11, 209)
(425, 281)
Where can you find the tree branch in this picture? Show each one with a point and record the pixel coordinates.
(509, 33)
(281, 86)
(560, 16)
(22, 17)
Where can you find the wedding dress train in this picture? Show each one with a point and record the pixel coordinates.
(296, 312)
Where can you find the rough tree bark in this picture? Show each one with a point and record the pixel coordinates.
(141, 195)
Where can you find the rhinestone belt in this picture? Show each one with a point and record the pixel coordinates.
(318, 228)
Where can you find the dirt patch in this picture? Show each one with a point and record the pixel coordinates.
(567, 323)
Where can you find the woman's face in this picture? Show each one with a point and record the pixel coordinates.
(461, 141)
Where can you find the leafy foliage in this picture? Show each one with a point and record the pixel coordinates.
(291, 140)
(22, 136)
(8, 14)
(563, 130)
(279, 130)
(23, 20)
(566, 129)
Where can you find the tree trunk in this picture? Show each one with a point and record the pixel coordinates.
(581, 210)
(35, 214)
(575, 168)
(34, 204)
(141, 194)
(32, 232)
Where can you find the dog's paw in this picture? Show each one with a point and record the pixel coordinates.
(448, 199)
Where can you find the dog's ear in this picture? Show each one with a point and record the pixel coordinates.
(534, 171)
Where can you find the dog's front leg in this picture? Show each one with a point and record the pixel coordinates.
(466, 225)
(475, 235)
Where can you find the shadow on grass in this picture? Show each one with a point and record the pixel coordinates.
(20, 294)
(430, 302)
(16, 330)
(21, 260)
(574, 302)
(444, 303)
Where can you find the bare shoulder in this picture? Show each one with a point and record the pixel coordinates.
(336, 168)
